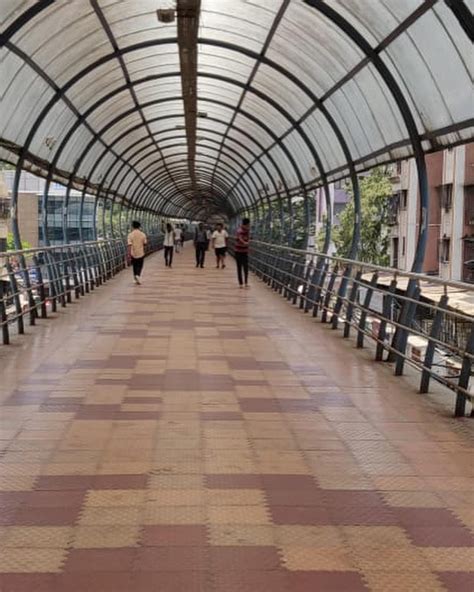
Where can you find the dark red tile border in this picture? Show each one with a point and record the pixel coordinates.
(457, 581)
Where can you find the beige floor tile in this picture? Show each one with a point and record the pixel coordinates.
(415, 499)
(184, 481)
(17, 482)
(106, 536)
(403, 559)
(158, 514)
(317, 559)
(115, 497)
(31, 560)
(120, 516)
(41, 537)
(176, 497)
(235, 497)
(449, 559)
(392, 581)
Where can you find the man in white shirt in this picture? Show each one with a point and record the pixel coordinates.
(136, 250)
(219, 244)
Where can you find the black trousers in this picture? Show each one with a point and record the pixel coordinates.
(201, 249)
(242, 260)
(137, 264)
(168, 256)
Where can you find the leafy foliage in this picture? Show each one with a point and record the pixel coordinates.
(11, 243)
(376, 190)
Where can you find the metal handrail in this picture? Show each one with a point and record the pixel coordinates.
(373, 267)
(339, 290)
(34, 281)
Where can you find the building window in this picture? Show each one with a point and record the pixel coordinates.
(403, 245)
(444, 250)
(403, 199)
(469, 205)
(446, 196)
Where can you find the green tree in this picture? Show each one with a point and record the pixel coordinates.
(11, 243)
(376, 190)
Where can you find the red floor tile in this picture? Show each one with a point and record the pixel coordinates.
(100, 560)
(175, 559)
(259, 405)
(251, 581)
(288, 482)
(114, 581)
(18, 582)
(295, 497)
(234, 481)
(440, 536)
(64, 482)
(221, 415)
(457, 581)
(243, 558)
(426, 517)
(325, 581)
(187, 581)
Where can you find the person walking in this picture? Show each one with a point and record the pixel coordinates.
(241, 248)
(219, 244)
(136, 242)
(178, 239)
(201, 244)
(168, 244)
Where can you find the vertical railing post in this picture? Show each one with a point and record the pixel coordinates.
(465, 375)
(387, 316)
(352, 299)
(430, 349)
(363, 312)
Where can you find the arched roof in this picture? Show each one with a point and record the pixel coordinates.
(234, 99)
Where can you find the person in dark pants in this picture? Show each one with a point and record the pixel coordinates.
(242, 245)
(136, 250)
(168, 245)
(201, 244)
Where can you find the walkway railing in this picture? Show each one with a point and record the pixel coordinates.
(34, 282)
(419, 320)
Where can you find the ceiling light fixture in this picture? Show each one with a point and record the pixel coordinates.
(166, 15)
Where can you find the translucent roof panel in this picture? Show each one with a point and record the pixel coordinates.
(96, 89)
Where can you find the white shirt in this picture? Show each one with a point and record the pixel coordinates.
(177, 233)
(219, 238)
(169, 239)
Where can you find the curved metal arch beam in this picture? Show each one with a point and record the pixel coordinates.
(204, 173)
(232, 170)
(61, 92)
(249, 192)
(123, 66)
(255, 120)
(157, 177)
(351, 32)
(212, 148)
(110, 124)
(216, 120)
(260, 94)
(104, 59)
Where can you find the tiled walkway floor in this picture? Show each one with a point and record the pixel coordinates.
(185, 436)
